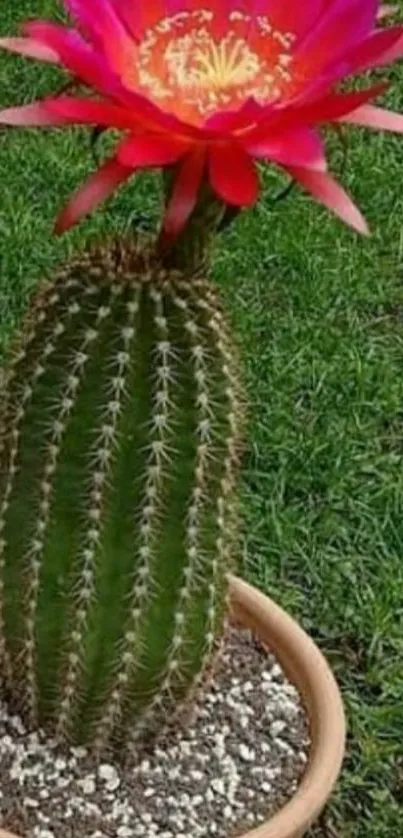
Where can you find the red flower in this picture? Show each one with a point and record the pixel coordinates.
(213, 87)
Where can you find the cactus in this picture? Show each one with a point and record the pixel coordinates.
(118, 449)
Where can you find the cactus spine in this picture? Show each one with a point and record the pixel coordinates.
(120, 425)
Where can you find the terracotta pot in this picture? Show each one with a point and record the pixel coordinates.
(308, 671)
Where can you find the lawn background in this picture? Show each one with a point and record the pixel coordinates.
(319, 314)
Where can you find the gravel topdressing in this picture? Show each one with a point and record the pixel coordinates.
(239, 760)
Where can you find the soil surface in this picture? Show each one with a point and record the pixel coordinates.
(239, 759)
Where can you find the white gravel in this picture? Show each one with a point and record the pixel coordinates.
(239, 760)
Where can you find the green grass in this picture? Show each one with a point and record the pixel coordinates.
(319, 313)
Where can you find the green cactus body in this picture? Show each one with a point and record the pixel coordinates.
(118, 451)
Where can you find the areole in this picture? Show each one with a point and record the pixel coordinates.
(306, 667)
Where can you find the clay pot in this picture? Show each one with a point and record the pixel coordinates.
(308, 671)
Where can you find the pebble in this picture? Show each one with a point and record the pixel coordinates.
(146, 818)
(210, 795)
(60, 764)
(87, 784)
(218, 786)
(62, 782)
(277, 727)
(245, 749)
(30, 802)
(79, 753)
(110, 776)
(197, 800)
(266, 787)
(246, 753)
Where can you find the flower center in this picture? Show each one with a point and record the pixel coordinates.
(192, 66)
(197, 61)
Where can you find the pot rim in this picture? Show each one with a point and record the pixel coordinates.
(308, 670)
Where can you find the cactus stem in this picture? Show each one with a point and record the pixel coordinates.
(119, 435)
(143, 581)
(227, 481)
(21, 351)
(101, 465)
(35, 553)
(15, 433)
(224, 501)
(191, 574)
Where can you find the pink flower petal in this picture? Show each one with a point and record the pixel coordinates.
(30, 49)
(98, 19)
(221, 9)
(105, 29)
(75, 54)
(378, 118)
(81, 60)
(373, 51)
(235, 120)
(144, 16)
(81, 12)
(392, 54)
(334, 105)
(98, 187)
(66, 110)
(297, 147)
(149, 151)
(184, 195)
(34, 114)
(88, 111)
(327, 191)
(173, 7)
(324, 109)
(287, 16)
(342, 24)
(233, 175)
